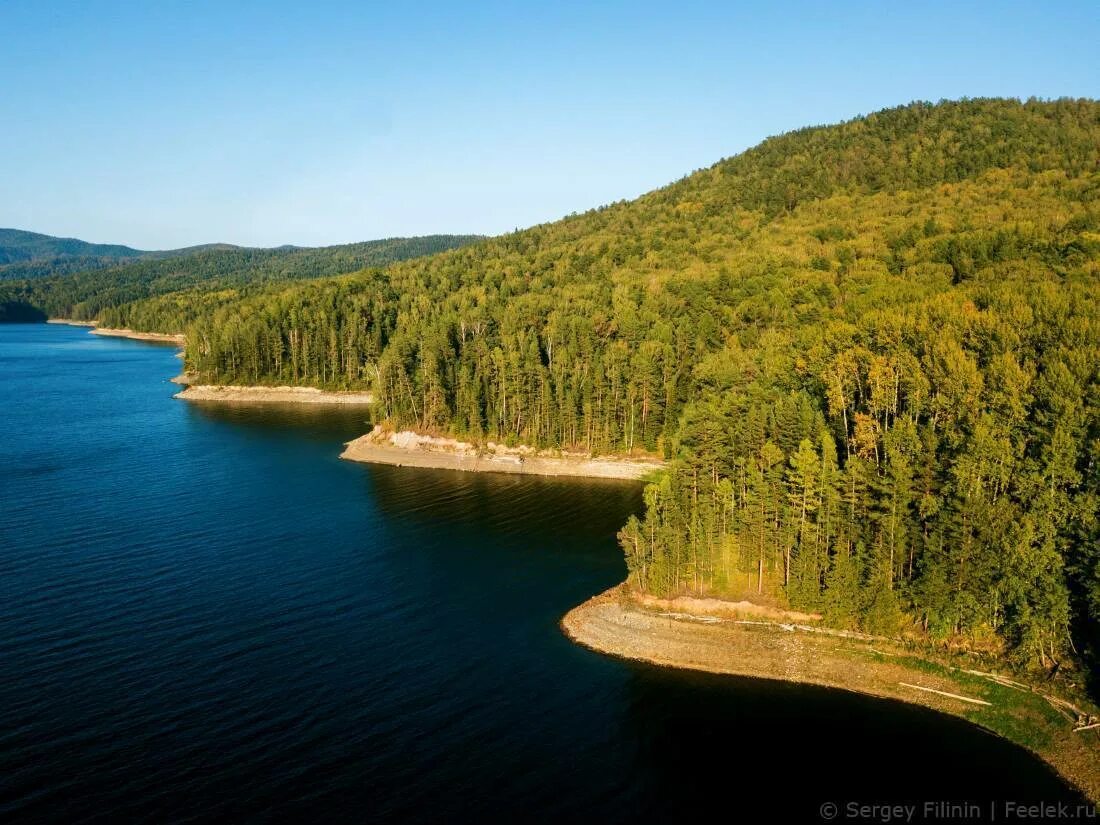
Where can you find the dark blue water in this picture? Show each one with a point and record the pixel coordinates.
(205, 615)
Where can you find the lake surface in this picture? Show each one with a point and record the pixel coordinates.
(205, 615)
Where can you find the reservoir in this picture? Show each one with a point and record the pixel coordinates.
(205, 615)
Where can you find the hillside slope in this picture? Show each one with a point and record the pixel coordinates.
(871, 350)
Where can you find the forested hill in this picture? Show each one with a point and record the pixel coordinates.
(17, 245)
(197, 281)
(32, 255)
(870, 349)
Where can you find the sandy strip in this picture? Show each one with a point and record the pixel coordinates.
(615, 623)
(159, 337)
(408, 449)
(236, 394)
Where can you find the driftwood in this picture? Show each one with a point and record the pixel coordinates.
(1060, 709)
(1071, 712)
(999, 679)
(1055, 700)
(945, 693)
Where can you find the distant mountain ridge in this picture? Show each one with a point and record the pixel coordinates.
(192, 280)
(29, 255)
(26, 254)
(19, 245)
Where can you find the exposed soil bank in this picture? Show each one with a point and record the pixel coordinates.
(409, 449)
(719, 642)
(267, 395)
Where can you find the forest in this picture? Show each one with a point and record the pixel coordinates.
(869, 351)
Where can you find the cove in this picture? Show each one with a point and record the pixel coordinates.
(206, 615)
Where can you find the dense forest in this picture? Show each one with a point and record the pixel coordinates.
(870, 352)
(189, 285)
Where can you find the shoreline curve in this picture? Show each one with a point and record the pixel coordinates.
(756, 645)
(109, 332)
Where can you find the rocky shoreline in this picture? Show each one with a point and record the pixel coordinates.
(268, 395)
(410, 449)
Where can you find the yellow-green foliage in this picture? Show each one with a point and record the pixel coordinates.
(870, 349)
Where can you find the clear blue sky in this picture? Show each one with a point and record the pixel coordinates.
(168, 124)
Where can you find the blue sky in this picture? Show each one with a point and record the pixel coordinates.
(168, 124)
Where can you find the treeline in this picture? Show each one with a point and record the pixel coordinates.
(906, 148)
(194, 283)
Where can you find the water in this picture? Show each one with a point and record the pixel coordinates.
(205, 615)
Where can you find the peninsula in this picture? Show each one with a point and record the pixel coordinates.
(227, 393)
